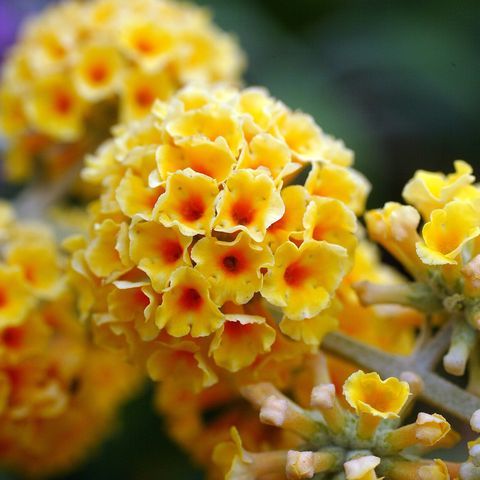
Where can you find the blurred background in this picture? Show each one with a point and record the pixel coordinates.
(399, 82)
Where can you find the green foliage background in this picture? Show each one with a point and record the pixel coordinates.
(399, 81)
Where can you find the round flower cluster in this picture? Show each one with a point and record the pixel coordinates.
(200, 258)
(58, 393)
(80, 66)
(354, 437)
(444, 259)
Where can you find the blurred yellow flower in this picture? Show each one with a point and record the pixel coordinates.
(79, 65)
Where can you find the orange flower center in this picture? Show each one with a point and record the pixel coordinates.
(98, 73)
(190, 299)
(144, 45)
(193, 209)
(243, 212)
(233, 262)
(296, 274)
(236, 329)
(144, 97)
(171, 251)
(13, 337)
(63, 103)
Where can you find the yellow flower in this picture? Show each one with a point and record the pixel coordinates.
(302, 135)
(211, 123)
(362, 468)
(239, 341)
(97, 74)
(303, 279)
(267, 152)
(330, 220)
(344, 184)
(56, 109)
(148, 43)
(79, 65)
(136, 198)
(295, 199)
(310, 330)
(250, 203)
(188, 202)
(158, 251)
(39, 265)
(15, 298)
(187, 306)
(448, 232)
(135, 303)
(140, 90)
(104, 254)
(368, 393)
(428, 191)
(184, 362)
(232, 268)
(212, 159)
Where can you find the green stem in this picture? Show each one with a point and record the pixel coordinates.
(438, 392)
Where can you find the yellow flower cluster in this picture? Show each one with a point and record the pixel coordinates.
(58, 393)
(444, 258)
(198, 242)
(356, 437)
(81, 66)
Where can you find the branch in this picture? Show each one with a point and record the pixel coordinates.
(438, 392)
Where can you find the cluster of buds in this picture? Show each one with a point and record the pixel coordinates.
(58, 393)
(80, 66)
(354, 437)
(199, 256)
(444, 259)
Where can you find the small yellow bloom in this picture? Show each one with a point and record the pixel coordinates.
(448, 232)
(234, 269)
(98, 72)
(210, 123)
(267, 152)
(140, 90)
(310, 331)
(240, 340)
(15, 298)
(428, 191)
(213, 159)
(249, 202)
(304, 278)
(187, 307)
(345, 184)
(148, 43)
(136, 198)
(103, 255)
(39, 265)
(302, 135)
(368, 393)
(185, 363)
(135, 303)
(55, 109)
(330, 220)
(295, 198)
(188, 202)
(158, 251)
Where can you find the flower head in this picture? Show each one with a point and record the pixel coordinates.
(54, 384)
(197, 228)
(79, 65)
